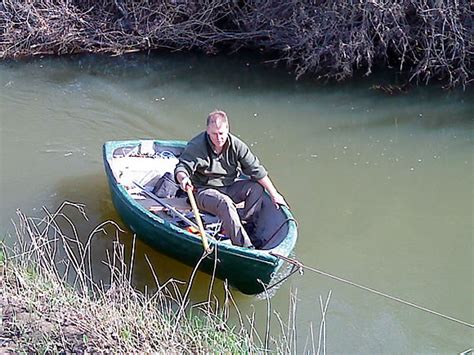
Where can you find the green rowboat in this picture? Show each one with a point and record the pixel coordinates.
(142, 162)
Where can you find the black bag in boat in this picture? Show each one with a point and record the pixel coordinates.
(166, 187)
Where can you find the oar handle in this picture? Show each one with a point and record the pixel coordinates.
(197, 215)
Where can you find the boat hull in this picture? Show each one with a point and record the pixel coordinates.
(250, 271)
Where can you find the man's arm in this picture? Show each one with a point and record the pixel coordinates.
(183, 180)
(249, 163)
(277, 198)
(188, 162)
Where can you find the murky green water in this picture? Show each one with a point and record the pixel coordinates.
(382, 187)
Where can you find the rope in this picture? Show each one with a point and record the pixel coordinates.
(294, 269)
(166, 154)
(301, 266)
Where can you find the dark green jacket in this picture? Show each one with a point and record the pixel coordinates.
(206, 168)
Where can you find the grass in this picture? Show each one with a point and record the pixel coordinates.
(50, 302)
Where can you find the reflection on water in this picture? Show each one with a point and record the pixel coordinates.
(381, 185)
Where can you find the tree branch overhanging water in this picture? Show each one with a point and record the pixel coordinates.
(328, 39)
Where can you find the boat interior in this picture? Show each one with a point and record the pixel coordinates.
(140, 168)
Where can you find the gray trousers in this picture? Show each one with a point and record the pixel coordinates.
(221, 201)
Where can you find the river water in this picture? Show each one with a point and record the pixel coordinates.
(381, 186)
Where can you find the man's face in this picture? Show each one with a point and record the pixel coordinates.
(218, 133)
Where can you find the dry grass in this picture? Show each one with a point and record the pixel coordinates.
(50, 302)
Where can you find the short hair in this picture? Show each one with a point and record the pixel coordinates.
(217, 117)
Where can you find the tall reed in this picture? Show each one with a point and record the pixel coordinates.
(52, 301)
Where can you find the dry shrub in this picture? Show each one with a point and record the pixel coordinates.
(429, 39)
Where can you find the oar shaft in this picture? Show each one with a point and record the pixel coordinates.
(169, 207)
(197, 215)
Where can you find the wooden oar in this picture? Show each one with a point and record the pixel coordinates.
(168, 206)
(197, 215)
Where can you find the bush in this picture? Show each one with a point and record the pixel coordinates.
(328, 39)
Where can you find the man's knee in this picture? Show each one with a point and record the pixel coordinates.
(208, 200)
(215, 202)
(258, 188)
(225, 203)
(255, 191)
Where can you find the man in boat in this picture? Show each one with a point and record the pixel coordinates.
(211, 164)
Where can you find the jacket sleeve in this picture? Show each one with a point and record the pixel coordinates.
(249, 163)
(186, 166)
(188, 161)
(194, 157)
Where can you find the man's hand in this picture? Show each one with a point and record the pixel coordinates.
(278, 200)
(272, 191)
(184, 181)
(186, 184)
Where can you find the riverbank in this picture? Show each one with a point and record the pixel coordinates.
(327, 40)
(52, 304)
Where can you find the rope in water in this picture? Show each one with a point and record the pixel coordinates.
(304, 267)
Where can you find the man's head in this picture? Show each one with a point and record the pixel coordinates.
(218, 128)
